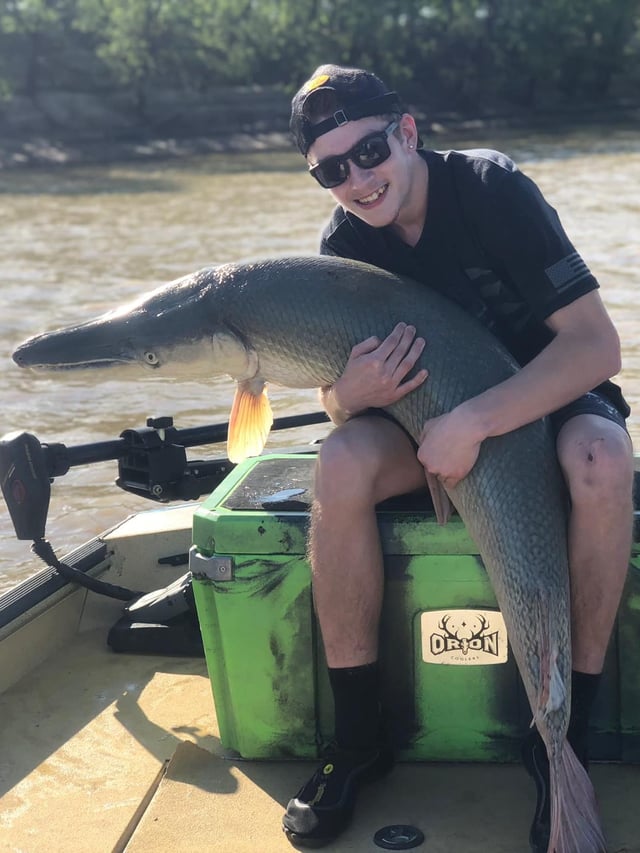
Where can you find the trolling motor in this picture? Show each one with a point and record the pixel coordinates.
(152, 463)
(25, 479)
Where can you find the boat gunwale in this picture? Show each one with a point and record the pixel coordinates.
(40, 587)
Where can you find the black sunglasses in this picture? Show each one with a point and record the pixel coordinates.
(372, 150)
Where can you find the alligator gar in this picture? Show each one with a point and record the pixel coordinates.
(293, 322)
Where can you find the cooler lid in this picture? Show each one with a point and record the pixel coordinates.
(277, 484)
(263, 507)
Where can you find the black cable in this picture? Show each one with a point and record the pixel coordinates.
(42, 548)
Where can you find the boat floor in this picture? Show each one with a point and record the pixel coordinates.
(105, 752)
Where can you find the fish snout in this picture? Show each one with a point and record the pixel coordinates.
(21, 356)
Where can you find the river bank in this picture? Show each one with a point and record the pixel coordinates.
(59, 151)
(61, 130)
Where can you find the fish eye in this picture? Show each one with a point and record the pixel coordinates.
(151, 358)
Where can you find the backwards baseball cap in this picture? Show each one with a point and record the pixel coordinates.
(357, 94)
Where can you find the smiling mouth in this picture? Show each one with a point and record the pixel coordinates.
(374, 196)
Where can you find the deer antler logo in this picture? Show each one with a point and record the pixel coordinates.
(464, 637)
(464, 629)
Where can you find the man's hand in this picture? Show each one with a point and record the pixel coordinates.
(449, 447)
(376, 372)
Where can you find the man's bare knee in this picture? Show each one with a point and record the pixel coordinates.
(598, 465)
(346, 465)
(367, 460)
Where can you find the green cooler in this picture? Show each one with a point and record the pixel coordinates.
(451, 688)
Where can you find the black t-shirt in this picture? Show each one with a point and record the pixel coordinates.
(490, 242)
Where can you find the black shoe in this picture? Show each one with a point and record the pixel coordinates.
(536, 762)
(323, 807)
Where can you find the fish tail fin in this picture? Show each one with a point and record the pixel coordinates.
(575, 821)
(250, 420)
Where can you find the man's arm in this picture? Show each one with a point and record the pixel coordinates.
(331, 406)
(375, 374)
(584, 352)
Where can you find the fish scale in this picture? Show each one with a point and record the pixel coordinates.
(294, 321)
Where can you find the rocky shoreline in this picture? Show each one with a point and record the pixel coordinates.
(53, 149)
(61, 128)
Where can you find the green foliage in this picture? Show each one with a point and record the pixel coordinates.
(32, 38)
(444, 54)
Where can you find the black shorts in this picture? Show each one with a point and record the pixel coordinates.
(591, 403)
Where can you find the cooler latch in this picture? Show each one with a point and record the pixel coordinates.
(211, 568)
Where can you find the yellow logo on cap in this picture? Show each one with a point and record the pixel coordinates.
(316, 82)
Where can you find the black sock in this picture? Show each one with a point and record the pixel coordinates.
(584, 688)
(357, 706)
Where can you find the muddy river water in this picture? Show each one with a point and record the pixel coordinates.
(76, 241)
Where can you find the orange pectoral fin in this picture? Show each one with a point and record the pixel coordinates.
(250, 420)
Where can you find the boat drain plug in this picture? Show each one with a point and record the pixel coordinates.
(398, 836)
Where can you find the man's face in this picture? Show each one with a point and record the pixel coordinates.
(376, 195)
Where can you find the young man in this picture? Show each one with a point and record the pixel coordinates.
(471, 224)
